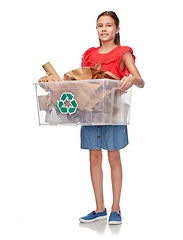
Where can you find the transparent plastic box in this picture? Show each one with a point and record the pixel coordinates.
(84, 102)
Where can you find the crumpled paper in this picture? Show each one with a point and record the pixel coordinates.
(49, 78)
(86, 73)
(83, 73)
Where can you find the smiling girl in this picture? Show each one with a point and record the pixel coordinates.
(119, 61)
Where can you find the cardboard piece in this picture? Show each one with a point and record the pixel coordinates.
(49, 69)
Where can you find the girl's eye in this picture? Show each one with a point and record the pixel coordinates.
(100, 25)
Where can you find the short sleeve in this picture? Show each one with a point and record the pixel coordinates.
(127, 49)
(85, 60)
(123, 50)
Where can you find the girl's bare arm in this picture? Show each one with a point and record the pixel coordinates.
(128, 61)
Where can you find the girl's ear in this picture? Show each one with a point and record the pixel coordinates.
(117, 30)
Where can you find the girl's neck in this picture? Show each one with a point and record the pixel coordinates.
(107, 47)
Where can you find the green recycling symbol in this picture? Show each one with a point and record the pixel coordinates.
(69, 99)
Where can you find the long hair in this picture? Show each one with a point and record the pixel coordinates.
(116, 20)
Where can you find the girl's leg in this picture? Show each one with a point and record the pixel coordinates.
(97, 178)
(116, 177)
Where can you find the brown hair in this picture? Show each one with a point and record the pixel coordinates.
(116, 20)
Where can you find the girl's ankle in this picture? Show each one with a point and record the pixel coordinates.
(115, 209)
(98, 210)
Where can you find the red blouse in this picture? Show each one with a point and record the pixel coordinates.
(110, 61)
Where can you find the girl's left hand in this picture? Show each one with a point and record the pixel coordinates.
(126, 83)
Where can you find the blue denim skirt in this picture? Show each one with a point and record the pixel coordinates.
(108, 137)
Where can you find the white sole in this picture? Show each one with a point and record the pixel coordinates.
(115, 222)
(93, 220)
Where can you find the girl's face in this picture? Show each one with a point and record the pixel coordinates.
(106, 29)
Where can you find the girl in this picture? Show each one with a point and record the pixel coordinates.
(119, 61)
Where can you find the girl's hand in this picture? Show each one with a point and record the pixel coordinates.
(126, 83)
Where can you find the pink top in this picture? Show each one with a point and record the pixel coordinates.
(110, 61)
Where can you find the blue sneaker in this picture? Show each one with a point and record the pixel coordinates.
(115, 218)
(93, 216)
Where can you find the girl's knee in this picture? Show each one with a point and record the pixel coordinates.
(114, 159)
(95, 157)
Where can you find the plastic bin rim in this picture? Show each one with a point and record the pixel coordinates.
(79, 81)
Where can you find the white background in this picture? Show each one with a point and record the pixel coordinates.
(44, 175)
